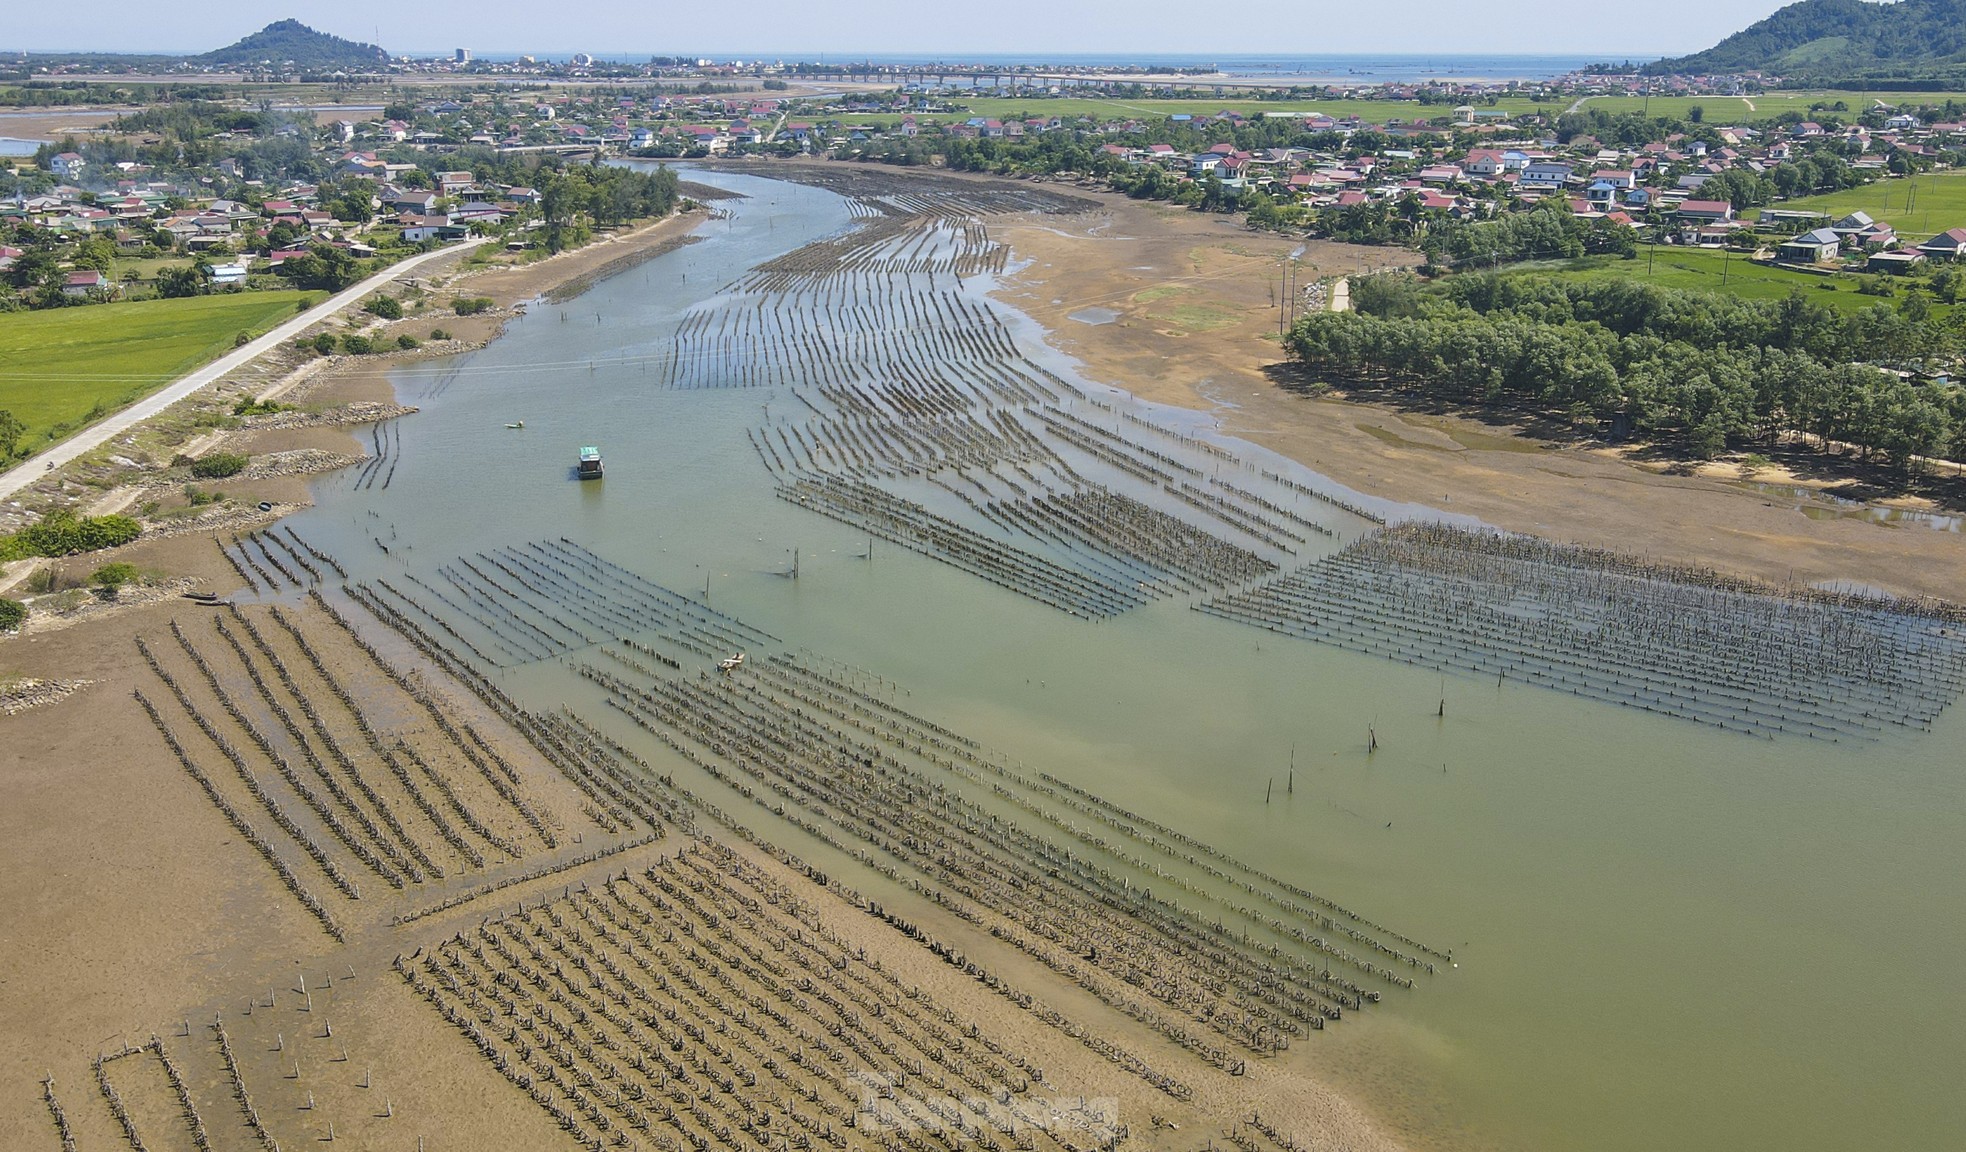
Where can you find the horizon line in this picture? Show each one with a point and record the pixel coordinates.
(848, 54)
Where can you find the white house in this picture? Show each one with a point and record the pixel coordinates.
(1544, 174)
(1816, 246)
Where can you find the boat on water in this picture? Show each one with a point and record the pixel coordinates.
(730, 664)
(589, 467)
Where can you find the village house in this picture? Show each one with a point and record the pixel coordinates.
(1816, 246)
(1705, 212)
(1947, 245)
(1895, 262)
(84, 283)
(418, 229)
(1544, 175)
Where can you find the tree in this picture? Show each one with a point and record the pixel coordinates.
(325, 266)
(13, 614)
(11, 430)
(180, 280)
(97, 252)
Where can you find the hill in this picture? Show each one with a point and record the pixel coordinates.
(291, 42)
(1841, 38)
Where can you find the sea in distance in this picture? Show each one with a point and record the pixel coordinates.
(1353, 68)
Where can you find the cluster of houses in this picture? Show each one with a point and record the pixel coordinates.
(1521, 161)
(1857, 236)
(1658, 184)
(240, 236)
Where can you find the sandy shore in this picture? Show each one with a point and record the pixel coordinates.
(1193, 323)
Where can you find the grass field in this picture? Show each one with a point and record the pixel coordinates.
(62, 367)
(1743, 109)
(1709, 270)
(1917, 208)
(1371, 111)
(1717, 109)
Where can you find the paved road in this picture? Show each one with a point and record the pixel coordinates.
(96, 435)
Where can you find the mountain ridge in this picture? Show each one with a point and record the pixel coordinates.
(1820, 37)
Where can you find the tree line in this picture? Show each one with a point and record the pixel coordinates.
(1699, 370)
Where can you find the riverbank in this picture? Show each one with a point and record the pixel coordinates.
(1181, 308)
(124, 890)
(156, 921)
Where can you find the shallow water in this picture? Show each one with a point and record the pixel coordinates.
(1827, 506)
(1668, 936)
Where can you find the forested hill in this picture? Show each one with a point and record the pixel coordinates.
(1841, 37)
(291, 42)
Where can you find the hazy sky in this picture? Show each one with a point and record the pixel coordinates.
(626, 28)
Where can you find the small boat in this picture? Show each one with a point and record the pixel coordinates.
(730, 664)
(589, 467)
(519, 424)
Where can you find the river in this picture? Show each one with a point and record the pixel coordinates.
(1668, 935)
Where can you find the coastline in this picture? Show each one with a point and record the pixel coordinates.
(1193, 324)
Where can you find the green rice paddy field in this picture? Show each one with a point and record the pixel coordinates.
(1917, 207)
(61, 367)
(1710, 270)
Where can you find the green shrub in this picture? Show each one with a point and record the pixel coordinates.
(197, 497)
(356, 345)
(114, 575)
(440, 334)
(471, 305)
(406, 342)
(247, 406)
(242, 339)
(12, 614)
(64, 534)
(387, 307)
(219, 465)
(324, 344)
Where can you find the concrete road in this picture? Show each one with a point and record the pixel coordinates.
(115, 425)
